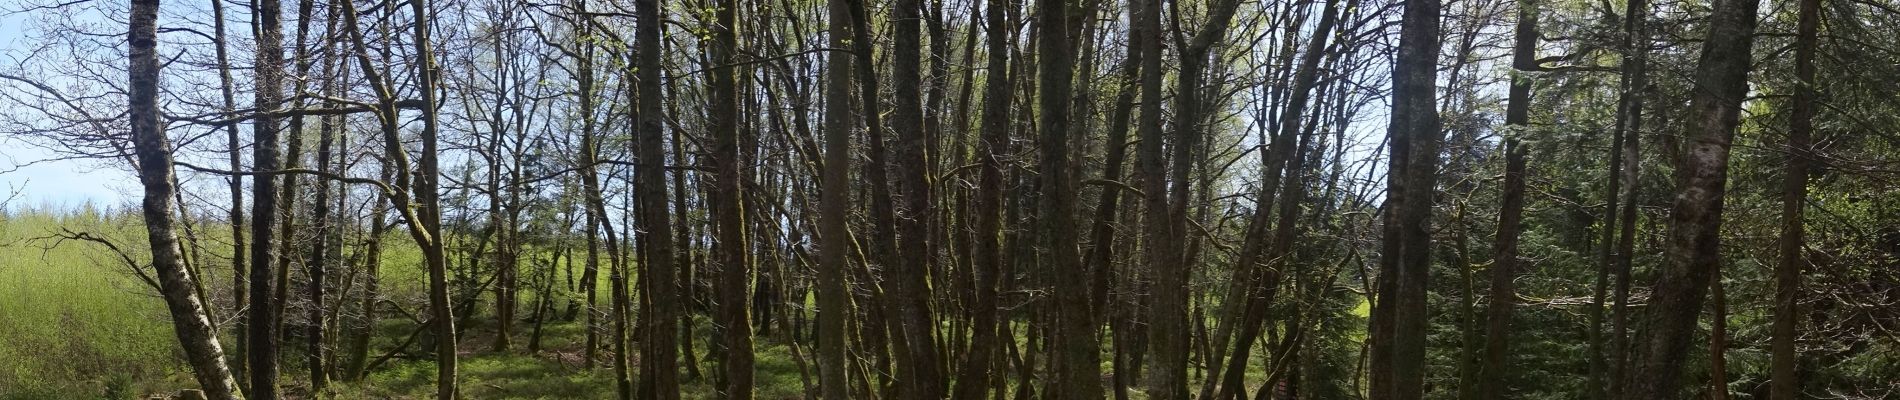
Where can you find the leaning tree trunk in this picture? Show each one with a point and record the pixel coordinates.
(1504, 264)
(1693, 252)
(189, 323)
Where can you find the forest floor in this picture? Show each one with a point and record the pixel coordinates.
(558, 371)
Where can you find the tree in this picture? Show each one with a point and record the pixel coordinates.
(1504, 265)
(727, 203)
(975, 374)
(189, 323)
(1398, 320)
(1784, 377)
(262, 334)
(834, 235)
(1692, 253)
(662, 376)
(234, 153)
(1077, 363)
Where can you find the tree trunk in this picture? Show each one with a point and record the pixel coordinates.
(662, 376)
(1167, 321)
(262, 332)
(1399, 318)
(834, 297)
(979, 365)
(1629, 139)
(1504, 265)
(226, 88)
(1076, 364)
(1285, 157)
(921, 376)
(727, 205)
(1784, 370)
(428, 224)
(1693, 252)
(372, 269)
(1718, 340)
(189, 323)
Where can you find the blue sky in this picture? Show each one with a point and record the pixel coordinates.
(52, 182)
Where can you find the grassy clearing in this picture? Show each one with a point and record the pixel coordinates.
(75, 323)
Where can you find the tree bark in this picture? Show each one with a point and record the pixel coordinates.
(834, 301)
(262, 333)
(662, 376)
(1629, 167)
(1076, 364)
(1504, 264)
(979, 365)
(1718, 340)
(1693, 252)
(922, 375)
(1285, 162)
(193, 329)
(727, 204)
(226, 88)
(429, 206)
(1784, 370)
(372, 269)
(1399, 318)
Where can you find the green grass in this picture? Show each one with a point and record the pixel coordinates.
(75, 323)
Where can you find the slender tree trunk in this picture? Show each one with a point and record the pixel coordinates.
(589, 178)
(1784, 370)
(1693, 253)
(979, 363)
(1101, 252)
(372, 270)
(1286, 157)
(1504, 264)
(1170, 333)
(429, 206)
(232, 152)
(189, 323)
(1166, 322)
(1629, 139)
(1718, 340)
(834, 297)
(320, 249)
